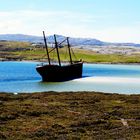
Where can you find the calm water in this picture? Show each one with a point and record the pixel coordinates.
(22, 77)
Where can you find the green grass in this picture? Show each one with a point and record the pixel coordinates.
(84, 55)
(85, 115)
(92, 57)
(14, 44)
(39, 54)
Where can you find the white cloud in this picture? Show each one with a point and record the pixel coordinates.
(119, 34)
(32, 22)
(65, 23)
(10, 26)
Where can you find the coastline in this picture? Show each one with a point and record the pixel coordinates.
(41, 61)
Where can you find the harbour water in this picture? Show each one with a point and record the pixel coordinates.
(21, 77)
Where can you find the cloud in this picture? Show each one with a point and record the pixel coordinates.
(119, 34)
(33, 22)
(66, 23)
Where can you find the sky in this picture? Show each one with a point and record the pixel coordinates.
(106, 20)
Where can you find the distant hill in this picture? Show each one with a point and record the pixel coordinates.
(20, 37)
(73, 41)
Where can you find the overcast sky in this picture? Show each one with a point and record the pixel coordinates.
(107, 20)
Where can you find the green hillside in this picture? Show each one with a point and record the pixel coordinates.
(26, 51)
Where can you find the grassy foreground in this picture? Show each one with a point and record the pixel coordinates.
(72, 116)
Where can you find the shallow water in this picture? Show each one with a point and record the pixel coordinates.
(22, 77)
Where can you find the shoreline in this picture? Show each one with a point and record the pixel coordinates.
(71, 92)
(67, 93)
(68, 62)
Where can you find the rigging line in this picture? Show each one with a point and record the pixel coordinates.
(73, 54)
(51, 50)
(62, 42)
(46, 46)
(44, 56)
(66, 51)
(58, 45)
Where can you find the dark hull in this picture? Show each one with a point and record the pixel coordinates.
(55, 73)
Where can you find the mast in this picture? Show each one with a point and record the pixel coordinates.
(46, 48)
(56, 46)
(69, 50)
